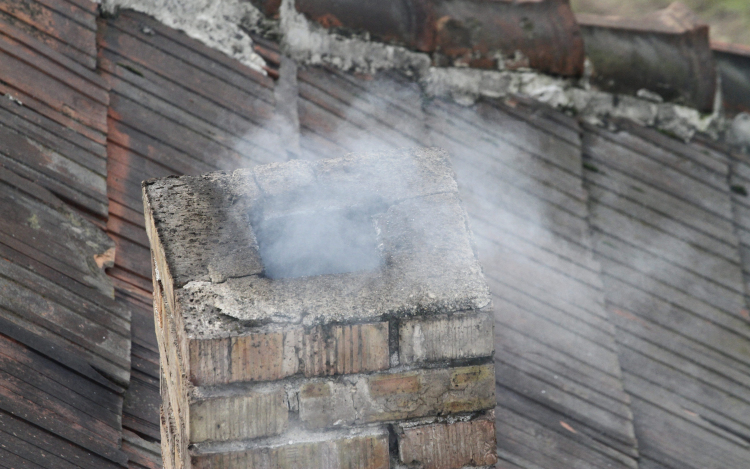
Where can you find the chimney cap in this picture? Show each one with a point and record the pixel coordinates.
(208, 226)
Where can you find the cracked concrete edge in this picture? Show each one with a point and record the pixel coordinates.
(216, 23)
(308, 43)
(221, 25)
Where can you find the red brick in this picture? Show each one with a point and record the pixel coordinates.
(449, 446)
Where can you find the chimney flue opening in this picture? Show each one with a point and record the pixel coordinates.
(318, 243)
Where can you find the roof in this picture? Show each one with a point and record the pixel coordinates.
(618, 258)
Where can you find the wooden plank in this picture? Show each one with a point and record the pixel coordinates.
(241, 94)
(84, 15)
(606, 155)
(525, 247)
(569, 318)
(94, 85)
(565, 342)
(534, 279)
(41, 229)
(144, 339)
(127, 230)
(699, 287)
(128, 280)
(141, 407)
(550, 419)
(82, 291)
(327, 125)
(669, 226)
(675, 443)
(145, 454)
(43, 108)
(45, 373)
(566, 396)
(120, 71)
(254, 139)
(374, 101)
(647, 338)
(378, 134)
(99, 311)
(36, 313)
(550, 446)
(624, 187)
(318, 146)
(73, 97)
(528, 348)
(37, 443)
(15, 116)
(650, 241)
(127, 145)
(655, 314)
(54, 24)
(550, 210)
(693, 388)
(495, 123)
(74, 197)
(94, 162)
(61, 405)
(197, 54)
(134, 257)
(673, 152)
(51, 163)
(135, 217)
(486, 221)
(16, 404)
(176, 136)
(53, 43)
(518, 155)
(515, 167)
(693, 413)
(731, 319)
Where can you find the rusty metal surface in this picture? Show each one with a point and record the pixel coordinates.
(406, 22)
(542, 35)
(667, 53)
(733, 64)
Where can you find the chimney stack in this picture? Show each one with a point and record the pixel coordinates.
(326, 314)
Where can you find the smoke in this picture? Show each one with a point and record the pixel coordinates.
(323, 242)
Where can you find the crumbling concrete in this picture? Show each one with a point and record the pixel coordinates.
(218, 24)
(223, 25)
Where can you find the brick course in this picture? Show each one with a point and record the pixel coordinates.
(449, 445)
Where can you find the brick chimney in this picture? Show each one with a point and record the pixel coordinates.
(321, 315)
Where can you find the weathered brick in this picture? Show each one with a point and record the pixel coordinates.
(252, 415)
(273, 355)
(397, 396)
(356, 452)
(345, 349)
(326, 404)
(449, 446)
(467, 335)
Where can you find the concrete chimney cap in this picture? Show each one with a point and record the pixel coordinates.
(211, 231)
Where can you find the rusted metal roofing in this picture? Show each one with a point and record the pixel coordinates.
(666, 53)
(542, 35)
(733, 65)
